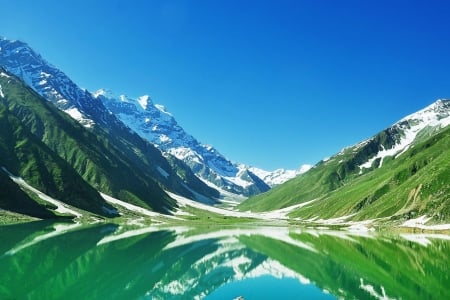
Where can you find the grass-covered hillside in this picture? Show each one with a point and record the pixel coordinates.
(58, 156)
(25, 155)
(414, 183)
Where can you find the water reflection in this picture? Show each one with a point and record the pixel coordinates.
(43, 260)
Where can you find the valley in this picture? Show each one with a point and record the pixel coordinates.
(71, 154)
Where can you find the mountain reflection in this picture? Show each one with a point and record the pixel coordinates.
(59, 261)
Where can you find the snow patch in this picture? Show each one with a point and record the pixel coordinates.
(164, 139)
(279, 176)
(129, 206)
(1, 92)
(143, 101)
(431, 116)
(77, 115)
(420, 223)
(45, 75)
(163, 109)
(60, 206)
(371, 290)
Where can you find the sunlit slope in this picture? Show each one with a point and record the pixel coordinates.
(417, 182)
(88, 155)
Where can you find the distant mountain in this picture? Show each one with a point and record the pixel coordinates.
(52, 84)
(401, 173)
(155, 124)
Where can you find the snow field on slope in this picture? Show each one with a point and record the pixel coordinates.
(60, 206)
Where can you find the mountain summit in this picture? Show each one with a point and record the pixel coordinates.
(154, 123)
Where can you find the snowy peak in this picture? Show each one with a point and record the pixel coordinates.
(141, 103)
(154, 123)
(48, 81)
(403, 134)
(436, 114)
(121, 113)
(280, 176)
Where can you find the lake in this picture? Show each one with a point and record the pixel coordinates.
(44, 260)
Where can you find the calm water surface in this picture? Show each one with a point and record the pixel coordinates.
(44, 260)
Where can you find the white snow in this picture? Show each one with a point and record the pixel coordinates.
(183, 201)
(3, 74)
(279, 215)
(371, 290)
(429, 116)
(334, 221)
(155, 124)
(279, 176)
(143, 101)
(164, 138)
(1, 92)
(77, 115)
(163, 109)
(45, 75)
(420, 223)
(130, 206)
(61, 207)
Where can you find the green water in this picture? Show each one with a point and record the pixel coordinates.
(44, 260)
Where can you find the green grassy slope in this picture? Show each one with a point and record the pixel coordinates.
(416, 183)
(12, 198)
(95, 158)
(24, 155)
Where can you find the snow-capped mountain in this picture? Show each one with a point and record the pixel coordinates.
(279, 176)
(150, 121)
(404, 133)
(154, 123)
(48, 81)
(52, 84)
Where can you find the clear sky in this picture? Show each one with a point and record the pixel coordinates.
(268, 83)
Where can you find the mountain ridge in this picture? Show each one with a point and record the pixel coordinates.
(52, 84)
(216, 174)
(154, 123)
(407, 162)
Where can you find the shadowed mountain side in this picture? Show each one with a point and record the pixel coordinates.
(53, 145)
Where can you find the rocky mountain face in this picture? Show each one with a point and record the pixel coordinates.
(400, 173)
(52, 84)
(155, 124)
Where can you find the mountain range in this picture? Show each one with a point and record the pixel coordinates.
(59, 141)
(154, 123)
(118, 114)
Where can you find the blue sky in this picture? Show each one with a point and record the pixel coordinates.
(268, 83)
